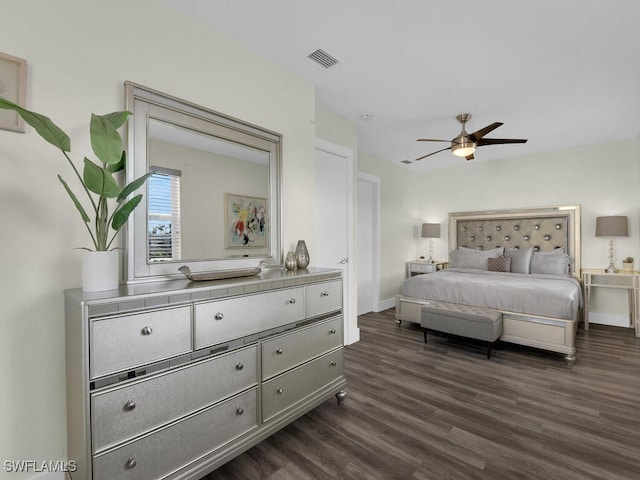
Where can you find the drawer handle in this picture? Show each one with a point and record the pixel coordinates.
(279, 391)
(147, 331)
(131, 462)
(333, 363)
(218, 316)
(239, 411)
(130, 405)
(332, 331)
(324, 293)
(291, 301)
(279, 351)
(239, 366)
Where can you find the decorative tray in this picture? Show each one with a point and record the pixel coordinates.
(219, 274)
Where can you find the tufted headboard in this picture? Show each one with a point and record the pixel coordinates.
(544, 229)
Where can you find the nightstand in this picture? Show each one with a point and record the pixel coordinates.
(418, 267)
(629, 281)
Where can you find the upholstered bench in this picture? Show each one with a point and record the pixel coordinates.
(462, 320)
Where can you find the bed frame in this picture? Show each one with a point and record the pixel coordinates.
(544, 229)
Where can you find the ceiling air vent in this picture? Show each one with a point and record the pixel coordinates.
(323, 58)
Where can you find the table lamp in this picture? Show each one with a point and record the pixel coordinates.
(614, 226)
(430, 231)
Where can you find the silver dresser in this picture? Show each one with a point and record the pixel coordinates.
(170, 380)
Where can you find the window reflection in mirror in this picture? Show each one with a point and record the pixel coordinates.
(163, 227)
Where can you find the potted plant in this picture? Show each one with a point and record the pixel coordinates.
(100, 263)
(627, 264)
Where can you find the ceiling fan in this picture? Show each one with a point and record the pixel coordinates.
(466, 143)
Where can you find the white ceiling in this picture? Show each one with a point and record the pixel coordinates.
(167, 132)
(561, 73)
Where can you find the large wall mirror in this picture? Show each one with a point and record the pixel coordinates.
(213, 201)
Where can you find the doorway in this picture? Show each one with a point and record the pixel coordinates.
(334, 223)
(368, 235)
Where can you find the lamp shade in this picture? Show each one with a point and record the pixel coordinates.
(430, 230)
(615, 226)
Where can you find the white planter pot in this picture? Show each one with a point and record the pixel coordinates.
(100, 271)
(627, 267)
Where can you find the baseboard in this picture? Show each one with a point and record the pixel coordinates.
(354, 336)
(386, 304)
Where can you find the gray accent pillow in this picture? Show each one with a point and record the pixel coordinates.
(499, 264)
(471, 258)
(555, 262)
(520, 259)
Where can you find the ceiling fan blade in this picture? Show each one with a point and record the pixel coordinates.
(475, 136)
(431, 140)
(470, 157)
(432, 153)
(498, 141)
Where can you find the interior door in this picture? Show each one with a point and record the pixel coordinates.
(332, 227)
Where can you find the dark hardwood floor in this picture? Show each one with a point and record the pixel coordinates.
(442, 411)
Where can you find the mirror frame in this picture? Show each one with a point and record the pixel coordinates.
(146, 103)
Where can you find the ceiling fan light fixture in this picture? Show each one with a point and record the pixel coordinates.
(463, 147)
(465, 144)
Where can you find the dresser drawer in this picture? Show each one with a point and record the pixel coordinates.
(123, 412)
(128, 341)
(224, 320)
(284, 391)
(286, 351)
(156, 455)
(323, 298)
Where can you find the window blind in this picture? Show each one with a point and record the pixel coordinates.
(163, 205)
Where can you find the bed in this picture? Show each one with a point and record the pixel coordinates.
(537, 289)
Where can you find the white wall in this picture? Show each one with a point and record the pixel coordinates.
(602, 178)
(403, 203)
(79, 54)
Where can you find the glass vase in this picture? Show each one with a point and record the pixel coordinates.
(290, 262)
(302, 254)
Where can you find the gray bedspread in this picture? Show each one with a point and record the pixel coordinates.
(545, 295)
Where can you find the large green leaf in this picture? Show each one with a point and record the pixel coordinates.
(105, 140)
(113, 168)
(99, 180)
(48, 130)
(83, 214)
(121, 215)
(117, 119)
(132, 187)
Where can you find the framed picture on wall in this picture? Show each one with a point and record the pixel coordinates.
(246, 222)
(13, 85)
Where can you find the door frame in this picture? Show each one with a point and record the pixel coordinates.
(375, 239)
(349, 289)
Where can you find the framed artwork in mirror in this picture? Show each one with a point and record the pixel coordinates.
(245, 221)
(13, 84)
